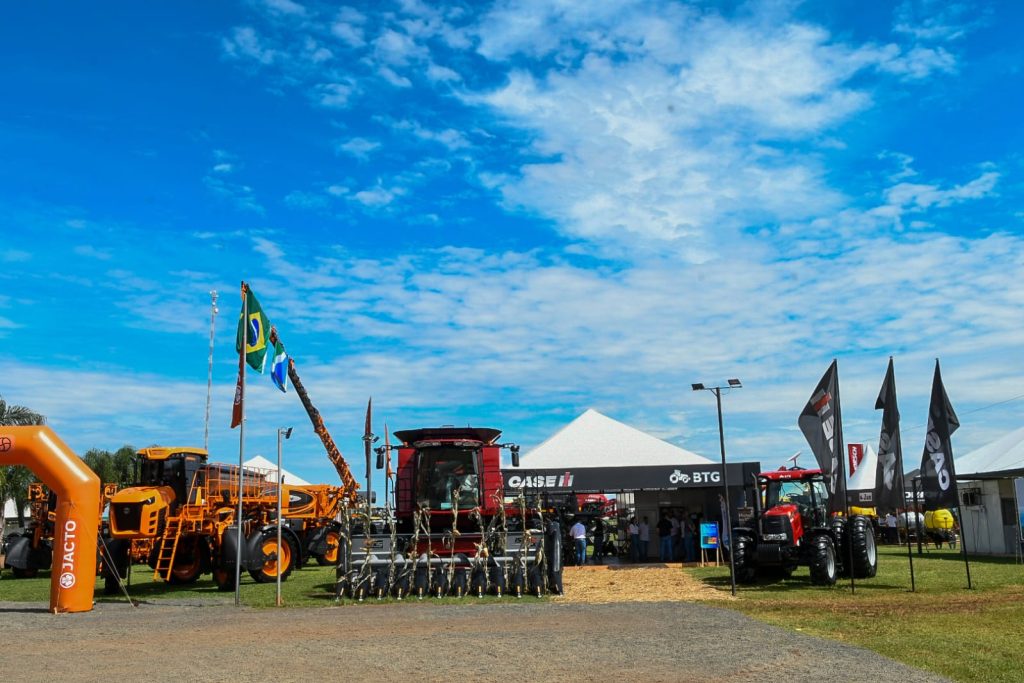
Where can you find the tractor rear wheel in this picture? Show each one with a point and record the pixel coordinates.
(865, 554)
(275, 560)
(743, 559)
(824, 569)
(330, 557)
(26, 573)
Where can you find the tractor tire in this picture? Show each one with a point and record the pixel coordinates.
(275, 560)
(26, 573)
(330, 558)
(841, 540)
(865, 553)
(743, 559)
(824, 569)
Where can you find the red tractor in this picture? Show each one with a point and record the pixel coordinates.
(792, 527)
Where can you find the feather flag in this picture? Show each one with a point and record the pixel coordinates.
(279, 366)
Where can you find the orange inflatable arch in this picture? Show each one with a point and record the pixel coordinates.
(73, 576)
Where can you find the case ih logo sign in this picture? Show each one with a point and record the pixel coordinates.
(541, 481)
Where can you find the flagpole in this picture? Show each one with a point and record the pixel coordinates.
(842, 477)
(241, 445)
(209, 374)
(903, 492)
(963, 542)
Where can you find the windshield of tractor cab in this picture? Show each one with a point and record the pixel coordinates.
(794, 492)
(445, 475)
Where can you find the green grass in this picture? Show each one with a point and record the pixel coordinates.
(967, 635)
(311, 586)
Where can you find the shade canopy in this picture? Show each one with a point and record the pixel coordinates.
(1001, 458)
(264, 464)
(596, 440)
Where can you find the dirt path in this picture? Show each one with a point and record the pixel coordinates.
(624, 623)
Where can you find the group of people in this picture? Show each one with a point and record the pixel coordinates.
(677, 538)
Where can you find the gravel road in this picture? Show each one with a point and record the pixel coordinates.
(657, 641)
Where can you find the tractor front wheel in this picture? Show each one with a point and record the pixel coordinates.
(224, 578)
(743, 559)
(824, 569)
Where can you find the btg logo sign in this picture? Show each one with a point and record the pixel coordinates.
(701, 477)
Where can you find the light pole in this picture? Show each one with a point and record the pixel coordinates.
(209, 375)
(286, 432)
(717, 391)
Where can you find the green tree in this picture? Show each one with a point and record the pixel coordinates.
(117, 467)
(14, 479)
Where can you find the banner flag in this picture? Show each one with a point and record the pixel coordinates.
(279, 366)
(253, 333)
(821, 424)
(856, 453)
(889, 472)
(938, 476)
(236, 409)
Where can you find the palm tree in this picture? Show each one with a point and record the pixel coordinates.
(14, 479)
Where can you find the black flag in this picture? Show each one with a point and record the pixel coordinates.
(938, 478)
(889, 475)
(822, 425)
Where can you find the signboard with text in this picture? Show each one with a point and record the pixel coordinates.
(709, 535)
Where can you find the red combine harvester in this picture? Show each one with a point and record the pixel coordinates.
(451, 532)
(792, 527)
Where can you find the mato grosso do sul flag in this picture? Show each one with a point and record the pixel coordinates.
(889, 472)
(822, 425)
(938, 478)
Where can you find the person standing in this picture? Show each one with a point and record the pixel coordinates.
(598, 541)
(579, 538)
(634, 540)
(677, 542)
(664, 539)
(689, 552)
(892, 534)
(645, 539)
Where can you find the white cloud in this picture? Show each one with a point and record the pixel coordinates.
(378, 196)
(89, 251)
(245, 43)
(334, 95)
(360, 148)
(919, 196)
(286, 7)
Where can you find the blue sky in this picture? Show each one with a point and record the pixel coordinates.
(505, 213)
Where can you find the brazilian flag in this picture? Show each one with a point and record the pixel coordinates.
(254, 332)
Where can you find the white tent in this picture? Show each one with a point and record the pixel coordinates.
(1004, 457)
(595, 440)
(262, 463)
(11, 510)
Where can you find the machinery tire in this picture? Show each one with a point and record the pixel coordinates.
(743, 559)
(841, 540)
(188, 565)
(824, 569)
(224, 578)
(865, 552)
(275, 560)
(330, 558)
(26, 573)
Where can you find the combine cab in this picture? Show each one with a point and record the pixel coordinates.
(793, 527)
